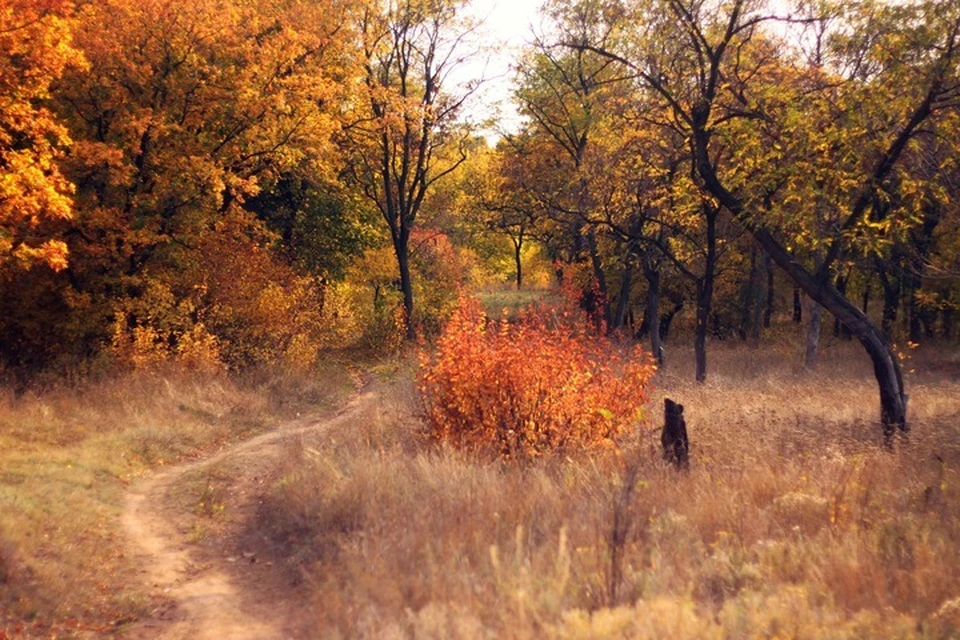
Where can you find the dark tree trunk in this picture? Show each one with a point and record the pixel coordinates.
(623, 301)
(768, 309)
(921, 240)
(914, 324)
(866, 296)
(752, 299)
(599, 276)
(652, 310)
(667, 319)
(893, 400)
(946, 315)
(406, 286)
(813, 335)
(891, 301)
(517, 248)
(758, 301)
(839, 329)
(797, 306)
(705, 293)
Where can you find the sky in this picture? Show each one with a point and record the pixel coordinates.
(505, 26)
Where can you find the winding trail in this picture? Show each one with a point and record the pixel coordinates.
(201, 594)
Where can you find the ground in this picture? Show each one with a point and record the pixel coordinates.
(224, 585)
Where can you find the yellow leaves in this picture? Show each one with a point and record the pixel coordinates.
(52, 253)
(35, 50)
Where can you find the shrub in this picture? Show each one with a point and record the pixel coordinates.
(523, 388)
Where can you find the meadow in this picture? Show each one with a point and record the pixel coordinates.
(70, 452)
(792, 522)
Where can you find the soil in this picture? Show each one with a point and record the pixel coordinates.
(214, 577)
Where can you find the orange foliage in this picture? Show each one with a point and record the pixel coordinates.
(542, 383)
(35, 49)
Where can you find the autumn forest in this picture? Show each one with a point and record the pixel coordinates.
(314, 225)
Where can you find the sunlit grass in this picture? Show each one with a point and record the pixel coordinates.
(507, 300)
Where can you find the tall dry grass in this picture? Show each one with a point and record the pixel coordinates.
(793, 521)
(67, 456)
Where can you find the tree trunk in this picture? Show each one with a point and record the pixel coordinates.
(866, 296)
(891, 302)
(623, 301)
(886, 367)
(751, 298)
(406, 286)
(673, 436)
(946, 315)
(768, 309)
(842, 288)
(667, 319)
(598, 275)
(797, 306)
(705, 293)
(517, 248)
(652, 310)
(813, 335)
(756, 322)
(915, 329)
(921, 241)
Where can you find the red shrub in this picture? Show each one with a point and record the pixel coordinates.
(539, 384)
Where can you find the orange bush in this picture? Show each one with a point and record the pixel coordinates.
(541, 383)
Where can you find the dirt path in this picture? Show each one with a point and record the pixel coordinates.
(202, 592)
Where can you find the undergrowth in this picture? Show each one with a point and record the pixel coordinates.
(541, 383)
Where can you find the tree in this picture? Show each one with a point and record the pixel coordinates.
(404, 135)
(35, 50)
(498, 202)
(186, 111)
(568, 97)
(725, 81)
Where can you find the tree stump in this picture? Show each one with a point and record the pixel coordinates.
(676, 446)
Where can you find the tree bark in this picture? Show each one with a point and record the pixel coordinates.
(406, 286)
(667, 319)
(623, 301)
(891, 300)
(673, 436)
(652, 310)
(797, 306)
(756, 321)
(814, 318)
(598, 275)
(517, 248)
(705, 293)
(768, 309)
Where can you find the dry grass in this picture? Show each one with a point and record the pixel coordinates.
(793, 521)
(67, 456)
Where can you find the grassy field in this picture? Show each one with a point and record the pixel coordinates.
(506, 300)
(793, 521)
(67, 456)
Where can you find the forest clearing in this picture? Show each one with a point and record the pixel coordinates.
(793, 520)
(314, 324)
